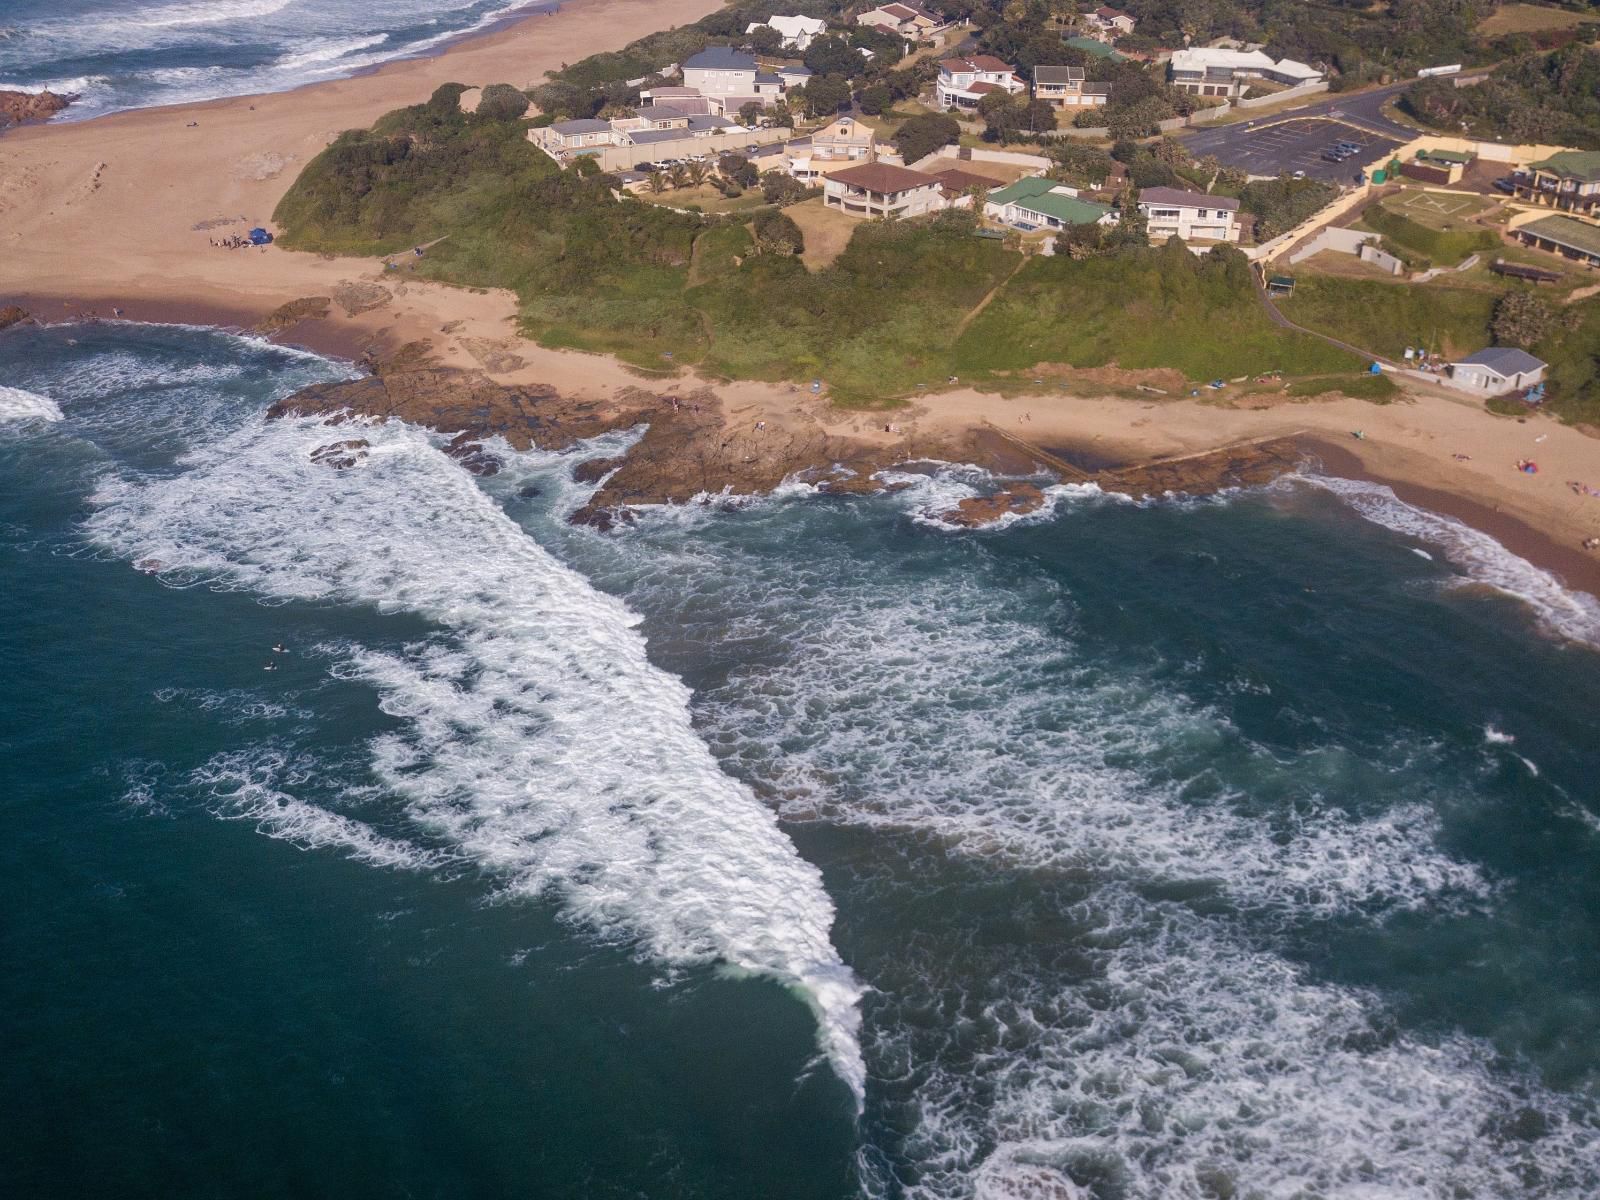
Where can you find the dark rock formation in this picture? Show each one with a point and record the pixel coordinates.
(17, 107)
(341, 456)
(976, 511)
(12, 314)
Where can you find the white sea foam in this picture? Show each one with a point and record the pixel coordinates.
(16, 404)
(1567, 613)
(1151, 1040)
(537, 739)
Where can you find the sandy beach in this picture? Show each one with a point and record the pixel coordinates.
(119, 212)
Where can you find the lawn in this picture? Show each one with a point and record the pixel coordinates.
(1528, 18)
(705, 198)
(827, 231)
(1443, 211)
(1386, 318)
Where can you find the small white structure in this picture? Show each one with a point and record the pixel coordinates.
(882, 190)
(1211, 71)
(1192, 216)
(575, 135)
(965, 81)
(798, 32)
(1497, 370)
(1110, 21)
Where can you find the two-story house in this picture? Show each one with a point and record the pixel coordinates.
(843, 143)
(1568, 179)
(881, 190)
(720, 71)
(964, 81)
(1209, 71)
(1192, 216)
(1110, 21)
(1066, 87)
(566, 137)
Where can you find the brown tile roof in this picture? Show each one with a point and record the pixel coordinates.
(978, 62)
(981, 88)
(1182, 199)
(954, 181)
(882, 177)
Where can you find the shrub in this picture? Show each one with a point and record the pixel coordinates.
(776, 233)
(502, 102)
(925, 133)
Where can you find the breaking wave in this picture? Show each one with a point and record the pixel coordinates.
(536, 740)
(19, 405)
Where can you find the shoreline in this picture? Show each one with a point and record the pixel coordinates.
(114, 212)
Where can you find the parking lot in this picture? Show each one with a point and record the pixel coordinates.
(1273, 147)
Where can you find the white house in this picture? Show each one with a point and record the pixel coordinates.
(882, 190)
(964, 81)
(1192, 216)
(576, 135)
(1497, 370)
(1211, 71)
(1066, 87)
(798, 32)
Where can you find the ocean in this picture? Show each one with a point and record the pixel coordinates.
(1245, 846)
(119, 54)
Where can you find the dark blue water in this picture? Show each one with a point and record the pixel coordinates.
(1189, 849)
(131, 54)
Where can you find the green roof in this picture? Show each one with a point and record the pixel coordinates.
(1573, 164)
(1035, 195)
(1446, 156)
(1093, 46)
(1565, 231)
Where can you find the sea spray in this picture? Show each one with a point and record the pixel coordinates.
(535, 737)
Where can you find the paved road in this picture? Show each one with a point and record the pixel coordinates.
(1293, 140)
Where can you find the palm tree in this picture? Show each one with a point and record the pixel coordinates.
(679, 176)
(658, 182)
(697, 172)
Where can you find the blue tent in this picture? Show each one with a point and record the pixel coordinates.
(259, 237)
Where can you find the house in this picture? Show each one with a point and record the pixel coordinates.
(843, 143)
(1211, 71)
(964, 81)
(957, 187)
(797, 32)
(793, 77)
(1065, 87)
(881, 190)
(1568, 179)
(1110, 21)
(1038, 203)
(685, 99)
(1566, 236)
(1192, 216)
(569, 136)
(908, 20)
(720, 71)
(1497, 370)
(652, 116)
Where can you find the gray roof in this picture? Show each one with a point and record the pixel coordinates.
(794, 70)
(768, 77)
(1164, 195)
(586, 125)
(1504, 361)
(660, 112)
(721, 58)
(709, 122)
(644, 137)
(1057, 74)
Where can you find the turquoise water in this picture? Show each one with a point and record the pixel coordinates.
(1244, 846)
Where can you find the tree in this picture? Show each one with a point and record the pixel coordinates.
(833, 55)
(781, 115)
(1172, 152)
(501, 102)
(658, 182)
(1522, 319)
(764, 39)
(780, 188)
(776, 233)
(875, 99)
(826, 94)
(612, 112)
(678, 176)
(925, 133)
(750, 113)
(697, 172)
(739, 169)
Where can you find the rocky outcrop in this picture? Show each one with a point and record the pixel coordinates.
(287, 316)
(691, 447)
(977, 511)
(13, 314)
(17, 107)
(341, 456)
